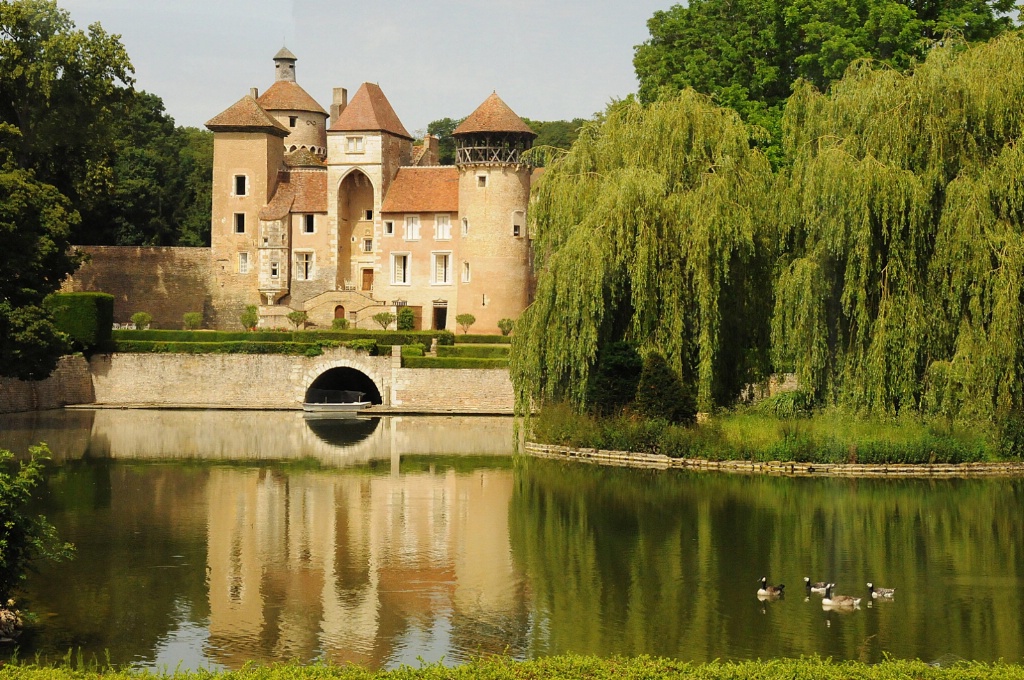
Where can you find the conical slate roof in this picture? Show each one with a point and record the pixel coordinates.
(246, 115)
(370, 111)
(285, 53)
(287, 95)
(493, 115)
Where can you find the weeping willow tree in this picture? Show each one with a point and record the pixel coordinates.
(649, 230)
(902, 274)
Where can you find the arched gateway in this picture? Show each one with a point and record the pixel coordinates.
(367, 376)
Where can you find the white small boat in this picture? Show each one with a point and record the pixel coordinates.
(334, 401)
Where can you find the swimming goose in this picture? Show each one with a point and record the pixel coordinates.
(816, 587)
(880, 592)
(831, 600)
(769, 591)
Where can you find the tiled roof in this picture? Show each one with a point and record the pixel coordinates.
(310, 187)
(434, 189)
(417, 153)
(246, 115)
(493, 115)
(287, 95)
(370, 111)
(303, 158)
(280, 205)
(285, 53)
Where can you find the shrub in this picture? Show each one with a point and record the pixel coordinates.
(141, 320)
(506, 326)
(24, 538)
(465, 321)
(87, 318)
(445, 338)
(474, 351)
(250, 317)
(297, 318)
(406, 319)
(192, 320)
(453, 362)
(466, 339)
(368, 345)
(416, 350)
(339, 325)
(384, 319)
(615, 378)
(661, 394)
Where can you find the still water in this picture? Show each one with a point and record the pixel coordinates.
(207, 539)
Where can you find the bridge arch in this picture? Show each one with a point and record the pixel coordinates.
(365, 376)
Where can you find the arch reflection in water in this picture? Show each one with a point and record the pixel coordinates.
(341, 431)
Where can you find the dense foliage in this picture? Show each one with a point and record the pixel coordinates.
(24, 538)
(649, 230)
(661, 393)
(87, 318)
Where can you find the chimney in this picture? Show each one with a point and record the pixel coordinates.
(339, 103)
(432, 155)
(254, 92)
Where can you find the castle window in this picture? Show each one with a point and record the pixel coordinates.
(241, 185)
(412, 227)
(465, 226)
(303, 266)
(518, 223)
(292, 120)
(442, 227)
(368, 215)
(239, 223)
(274, 270)
(442, 273)
(481, 181)
(367, 245)
(389, 228)
(354, 145)
(400, 269)
(465, 272)
(308, 224)
(243, 263)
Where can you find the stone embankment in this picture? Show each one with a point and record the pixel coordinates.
(660, 462)
(70, 383)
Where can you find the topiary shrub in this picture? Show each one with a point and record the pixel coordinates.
(445, 338)
(384, 319)
(615, 378)
(141, 320)
(192, 320)
(87, 318)
(406, 319)
(661, 393)
(506, 326)
(250, 317)
(465, 321)
(297, 318)
(339, 325)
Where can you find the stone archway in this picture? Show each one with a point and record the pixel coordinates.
(360, 373)
(348, 379)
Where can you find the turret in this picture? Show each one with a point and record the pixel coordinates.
(294, 109)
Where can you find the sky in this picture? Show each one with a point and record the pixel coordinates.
(547, 59)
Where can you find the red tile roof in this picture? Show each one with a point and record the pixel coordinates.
(246, 115)
(433, 189)
(370, 111)
(286, 95)
(310, 187)
(493, 115)
(303, 158)
(280, 205)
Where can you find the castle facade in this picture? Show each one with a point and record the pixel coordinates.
(342, 215)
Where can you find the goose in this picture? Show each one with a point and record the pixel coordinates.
(838, 600)
(880, 592)
(816, 587)
(769, 591)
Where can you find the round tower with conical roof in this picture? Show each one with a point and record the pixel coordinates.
(494, 192)
(292, 106)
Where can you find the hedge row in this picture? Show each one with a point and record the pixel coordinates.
(464, 339)
(453, 362)
(86, 317)
(474, 352)
(240, 347)
(381, 337)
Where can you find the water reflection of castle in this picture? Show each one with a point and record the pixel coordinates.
(345, 567)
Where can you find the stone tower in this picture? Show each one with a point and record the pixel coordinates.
(494, 192)
(294, 109)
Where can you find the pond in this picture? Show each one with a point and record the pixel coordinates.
(209, 538)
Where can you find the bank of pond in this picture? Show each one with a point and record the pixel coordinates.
(751, 434)
(565, 667)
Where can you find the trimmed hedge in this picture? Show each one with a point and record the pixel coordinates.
(453, 362)
(474, 352)
(256, 347)
(87, 317)
(381, 337)
(464, 339)
(415, 350)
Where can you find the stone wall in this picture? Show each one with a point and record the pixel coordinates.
(70, 383)
(459, 390)
(165, 282)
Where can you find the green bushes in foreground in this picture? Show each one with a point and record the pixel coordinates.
(381, 337)
(565, 667)
(829, 437)
(86, 317)
(474, 351)
(238, 347)
(452, 362)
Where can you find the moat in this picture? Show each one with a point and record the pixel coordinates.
(209, 538)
